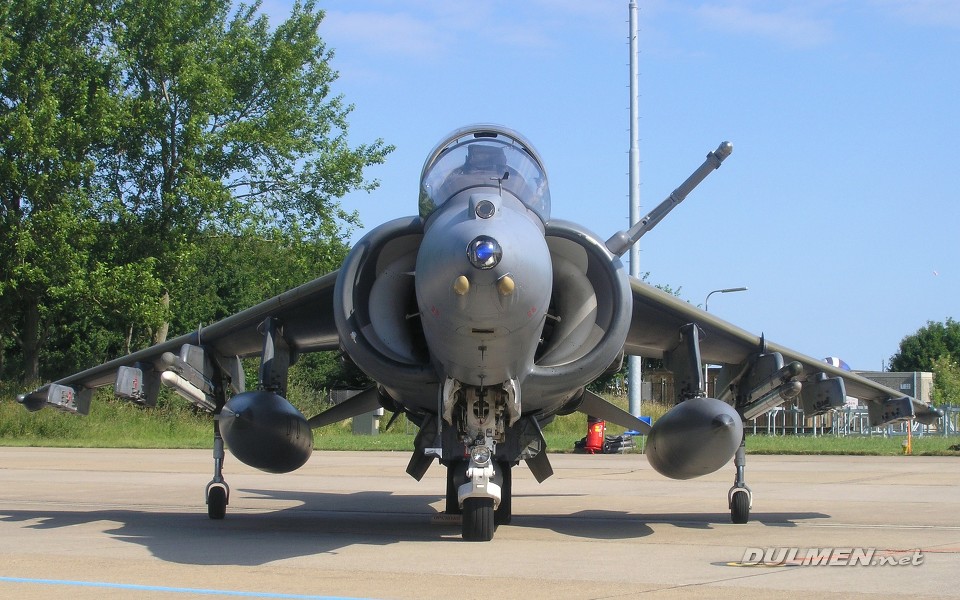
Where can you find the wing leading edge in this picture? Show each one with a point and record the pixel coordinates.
(659, 318)
(304, 320)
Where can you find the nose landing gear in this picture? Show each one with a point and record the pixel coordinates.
(479, 485)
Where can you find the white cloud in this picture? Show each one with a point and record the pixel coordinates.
(937, 13)
(790, 26)
(383, 33)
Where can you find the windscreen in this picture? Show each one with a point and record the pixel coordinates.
(484, 157)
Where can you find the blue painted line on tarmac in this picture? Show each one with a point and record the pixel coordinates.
(168, 590)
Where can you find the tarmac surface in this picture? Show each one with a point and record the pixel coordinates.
(132, 524)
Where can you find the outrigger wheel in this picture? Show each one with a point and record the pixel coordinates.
(740, 498)
(740, 507)
(216, 502)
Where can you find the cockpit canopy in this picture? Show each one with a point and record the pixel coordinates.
(484, 156)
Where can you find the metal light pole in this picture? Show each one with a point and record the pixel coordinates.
(706, 301)
(723, 291)
(634, 363)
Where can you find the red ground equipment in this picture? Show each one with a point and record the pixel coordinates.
(596, 429)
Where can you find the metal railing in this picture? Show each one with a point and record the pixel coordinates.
(789, 420)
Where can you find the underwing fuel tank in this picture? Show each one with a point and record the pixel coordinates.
(694, 438)
(265, 431)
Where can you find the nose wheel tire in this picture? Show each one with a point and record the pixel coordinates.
(478, 521)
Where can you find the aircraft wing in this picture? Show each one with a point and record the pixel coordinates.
(305, 322)
(658, 319)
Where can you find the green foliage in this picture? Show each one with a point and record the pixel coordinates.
(934, 347)
(946, 381)
(664, 287)
(110, 424)
(919, 351)
(853, 445)
(163, 163)
(325, 371)
(176, 424)
(56, 110)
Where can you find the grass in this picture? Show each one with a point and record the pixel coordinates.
(175, 424)
(110, 424)
(929, 445)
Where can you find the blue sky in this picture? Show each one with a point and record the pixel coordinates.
(837, 208)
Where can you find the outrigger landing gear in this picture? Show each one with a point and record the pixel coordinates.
(740, 498)
(217, 492)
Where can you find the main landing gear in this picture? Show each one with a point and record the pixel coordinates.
(740, 498)
(217, 492)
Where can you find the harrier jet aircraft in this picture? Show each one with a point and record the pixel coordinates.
(482, 318)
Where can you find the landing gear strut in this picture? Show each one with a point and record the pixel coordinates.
(740, 498)
(217, 492)
(478, 475)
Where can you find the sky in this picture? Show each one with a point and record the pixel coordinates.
(837, 209)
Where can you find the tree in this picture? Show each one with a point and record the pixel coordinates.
(934, 347)
(55, 112)
(228, 273)
(135, 135)
(230, 130)
(919, 351)
(946, 381)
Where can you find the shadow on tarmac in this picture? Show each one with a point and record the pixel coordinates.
(327, 522)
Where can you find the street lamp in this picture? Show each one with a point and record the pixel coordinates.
(706, 365)
(723, 291)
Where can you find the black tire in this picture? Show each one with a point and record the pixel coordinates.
(504, 513)
(453, 501)
(478, 522)
(740, 507)
(217, 502)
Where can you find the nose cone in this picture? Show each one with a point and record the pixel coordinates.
(483, 280)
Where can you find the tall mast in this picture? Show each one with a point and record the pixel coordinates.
(634, 363)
